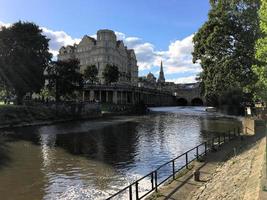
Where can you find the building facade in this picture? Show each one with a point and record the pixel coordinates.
(106, 49)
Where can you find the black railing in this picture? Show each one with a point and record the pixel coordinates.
(175, 166)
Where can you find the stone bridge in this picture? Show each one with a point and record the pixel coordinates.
(128, 95)
(181, 95)
(189, 94)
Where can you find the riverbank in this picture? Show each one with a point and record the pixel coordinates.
(21, 116)
(24, 116)
(234, 172)
(42, 114)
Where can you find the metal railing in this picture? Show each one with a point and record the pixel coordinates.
(132, 192)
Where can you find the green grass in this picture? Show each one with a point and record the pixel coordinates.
(3, 104)
(14, 114)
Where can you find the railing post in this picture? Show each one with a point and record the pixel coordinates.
(173, 170)
(156, 181)
(205, 148)
(130, 192)
(234, 133)
(186, 160)
(152, 180)
(154, 174)
(212, 143)
(136, 190)
(197, 152)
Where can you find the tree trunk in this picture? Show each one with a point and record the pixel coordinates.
(57, 91)
(19, 99)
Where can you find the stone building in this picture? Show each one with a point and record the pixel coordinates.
(161, 78)
(106, 49)
(148, 81)
(151, 78)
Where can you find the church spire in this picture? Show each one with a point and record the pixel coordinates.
(161, 78)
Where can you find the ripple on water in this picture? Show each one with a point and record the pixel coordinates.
(94, 159)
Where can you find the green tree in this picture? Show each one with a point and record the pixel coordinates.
(64, 78)
(225, 47)
(261, 55)
(2, 91)
(111, 73)
(90, 73)
(23, 57)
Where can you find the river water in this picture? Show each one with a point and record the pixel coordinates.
(94, 159)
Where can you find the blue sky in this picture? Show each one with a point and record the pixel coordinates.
(156, 29)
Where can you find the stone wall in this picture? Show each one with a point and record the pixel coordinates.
(252, 126)
(76, 109)
(189, 94)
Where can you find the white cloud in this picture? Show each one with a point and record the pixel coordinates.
(58, 39)
(176, 59)
(120, 36)
(188, 79)
(4, 24)
(131, 42)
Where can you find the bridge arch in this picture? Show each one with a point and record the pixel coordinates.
(182, 102)
(197, 102)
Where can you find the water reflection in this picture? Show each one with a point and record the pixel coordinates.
(113, 145)
(93, 159)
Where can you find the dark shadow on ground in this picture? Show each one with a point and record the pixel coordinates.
(4, 152)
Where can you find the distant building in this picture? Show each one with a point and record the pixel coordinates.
(161, 78)
(151, 78)
(102, 51)
(149, 81)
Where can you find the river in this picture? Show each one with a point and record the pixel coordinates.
(94, 159)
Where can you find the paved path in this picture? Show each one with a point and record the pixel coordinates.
(223, 175)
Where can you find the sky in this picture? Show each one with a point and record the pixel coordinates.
(156, 29)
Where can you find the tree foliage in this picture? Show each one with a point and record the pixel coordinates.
(23, 57)
(64, 78)
(111, 73)
(225, 47)
(90, 73)
(261, 55)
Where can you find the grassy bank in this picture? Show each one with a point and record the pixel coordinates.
(13, 115)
